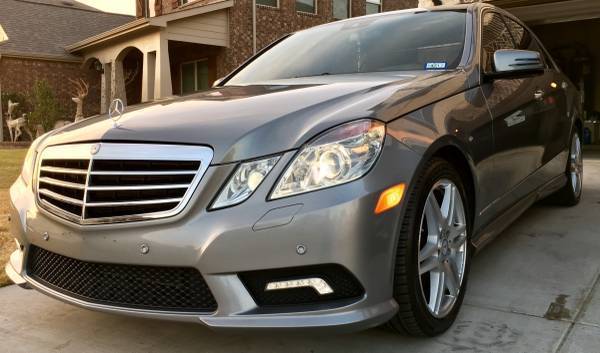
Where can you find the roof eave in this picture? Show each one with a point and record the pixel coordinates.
(159, 21)
(40, 56)
(108, 35)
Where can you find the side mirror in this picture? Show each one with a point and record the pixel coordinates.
(511, 63)
(218, 81)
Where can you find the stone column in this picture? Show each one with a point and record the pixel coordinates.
(162, 77)
(148, 72)
(117, 81)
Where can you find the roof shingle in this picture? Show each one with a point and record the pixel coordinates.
(42, 28)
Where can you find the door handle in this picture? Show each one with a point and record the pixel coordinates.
(539, 95)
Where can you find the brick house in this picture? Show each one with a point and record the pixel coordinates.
(33, 37)
(180, 46)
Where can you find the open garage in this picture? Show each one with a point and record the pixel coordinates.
(569, 29)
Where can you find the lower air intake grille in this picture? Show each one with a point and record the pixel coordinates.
(344, 284)
(177, 289)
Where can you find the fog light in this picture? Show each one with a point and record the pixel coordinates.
(390, 198)
(318, 284)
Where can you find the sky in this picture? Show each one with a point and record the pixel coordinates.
(126, 7)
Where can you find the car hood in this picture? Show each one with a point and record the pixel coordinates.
(244, 122)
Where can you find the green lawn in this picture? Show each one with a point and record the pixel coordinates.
(10, 167)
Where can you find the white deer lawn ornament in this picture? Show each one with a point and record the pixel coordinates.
(15, 125)
(81, 91)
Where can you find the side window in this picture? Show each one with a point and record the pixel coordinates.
(524, 39)
(495, 36)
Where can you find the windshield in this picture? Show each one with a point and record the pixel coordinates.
(396, 42)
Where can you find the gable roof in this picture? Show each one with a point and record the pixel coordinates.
(43, 28)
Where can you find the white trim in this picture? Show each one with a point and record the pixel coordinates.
(3, 35)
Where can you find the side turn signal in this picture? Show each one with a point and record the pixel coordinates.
(390, 198)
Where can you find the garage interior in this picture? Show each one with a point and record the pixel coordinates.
(569, 29)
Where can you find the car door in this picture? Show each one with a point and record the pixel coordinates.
(550, 106)
(517, 116)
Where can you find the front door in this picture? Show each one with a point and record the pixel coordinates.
(517, 107)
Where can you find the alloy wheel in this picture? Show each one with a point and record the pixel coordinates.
(442, 248)
(576, 165)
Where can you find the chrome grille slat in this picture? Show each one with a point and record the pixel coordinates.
(184, 172)
(138, 187)
(121, 182)
(60, 197)
(132, 203)
(64, 170)
(65, 184)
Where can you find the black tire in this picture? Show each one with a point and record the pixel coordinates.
(413, 317)
(568, 196)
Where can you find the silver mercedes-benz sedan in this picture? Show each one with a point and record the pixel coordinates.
(342, 178)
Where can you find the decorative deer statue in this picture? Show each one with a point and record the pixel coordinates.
(81, 91)
(14, 125)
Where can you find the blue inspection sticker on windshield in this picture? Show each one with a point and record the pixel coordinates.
(436, 66)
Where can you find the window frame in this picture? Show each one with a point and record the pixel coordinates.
(316, 11)
(349, 2)
(374, 2)
(195, 62)
(269, 6)
(481, 46)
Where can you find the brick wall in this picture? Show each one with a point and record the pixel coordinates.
(273, 23)
(19, 76)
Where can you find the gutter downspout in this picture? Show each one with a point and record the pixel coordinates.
(254, 27)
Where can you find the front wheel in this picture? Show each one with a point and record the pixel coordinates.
(434, 252)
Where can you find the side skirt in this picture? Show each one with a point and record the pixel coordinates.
(504, 220)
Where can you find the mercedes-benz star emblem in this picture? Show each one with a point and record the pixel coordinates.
(116, 110)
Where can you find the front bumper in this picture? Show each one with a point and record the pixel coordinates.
(336, 226)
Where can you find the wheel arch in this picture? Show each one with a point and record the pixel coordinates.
(452, 150)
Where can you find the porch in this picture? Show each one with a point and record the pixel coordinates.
(155, 58)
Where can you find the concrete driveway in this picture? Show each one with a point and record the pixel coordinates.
(534, 289)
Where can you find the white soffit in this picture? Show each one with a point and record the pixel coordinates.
(564, 11)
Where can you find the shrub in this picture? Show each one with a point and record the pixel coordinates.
(46, 110)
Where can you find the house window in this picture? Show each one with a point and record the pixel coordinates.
(194, 76)
(309, 6)
(373, 6)
(271, 3)
(341, 9)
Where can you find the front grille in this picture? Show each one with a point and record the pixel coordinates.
(105, 183)
(144, 287)
(345, 286)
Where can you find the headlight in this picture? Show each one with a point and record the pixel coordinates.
(29, 163)
(341, 155)
(245, 180)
